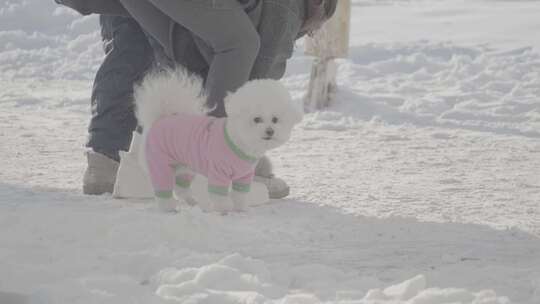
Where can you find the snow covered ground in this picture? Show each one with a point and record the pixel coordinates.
(420, 185)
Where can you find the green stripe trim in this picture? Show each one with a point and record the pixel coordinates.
(241, 187)
(178, 166)
(219, 190)
(163, 194)
(182, 182)
(241, 154)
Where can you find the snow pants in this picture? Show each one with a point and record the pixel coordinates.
(129, 56)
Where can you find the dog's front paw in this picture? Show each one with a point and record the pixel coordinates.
(167, 204)
(224, 206)
(185, 195)
(240, 202)
(240, 206)
(190, 201)
(206, 205)
(222, 203)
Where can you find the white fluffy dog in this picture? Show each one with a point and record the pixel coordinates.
(180, 140)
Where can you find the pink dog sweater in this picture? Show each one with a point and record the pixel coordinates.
(201, 144)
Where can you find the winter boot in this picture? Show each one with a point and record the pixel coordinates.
(100, 174)
(277, 188)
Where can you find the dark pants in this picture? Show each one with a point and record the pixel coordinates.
(129, 56)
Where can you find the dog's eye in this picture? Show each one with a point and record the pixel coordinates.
(257, 120)
(274, 119)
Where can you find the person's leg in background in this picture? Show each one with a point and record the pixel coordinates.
(128, 57)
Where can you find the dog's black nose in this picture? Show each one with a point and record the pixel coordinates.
(269, 131)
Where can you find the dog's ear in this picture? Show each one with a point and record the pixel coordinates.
(294, 111)
(244, 98)
(265, 93)
(235, 105)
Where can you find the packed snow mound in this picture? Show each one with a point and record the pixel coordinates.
(414, 291)
(236, 279)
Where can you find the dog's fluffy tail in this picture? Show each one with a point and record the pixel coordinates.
(168, 92)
